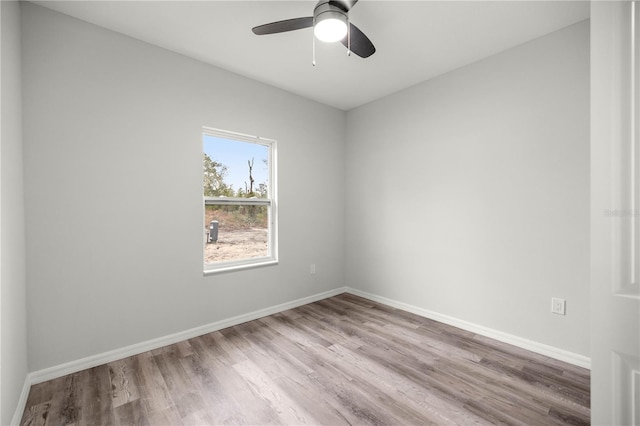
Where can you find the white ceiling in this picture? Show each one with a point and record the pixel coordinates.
(415, 40)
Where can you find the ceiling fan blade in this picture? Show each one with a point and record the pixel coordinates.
(360, 43)
(345, 5)
(283, 26)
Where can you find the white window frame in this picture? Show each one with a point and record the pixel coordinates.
(270, 202)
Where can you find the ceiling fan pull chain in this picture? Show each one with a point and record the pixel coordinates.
(313, 45)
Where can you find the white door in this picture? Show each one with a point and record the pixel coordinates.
(615, 213)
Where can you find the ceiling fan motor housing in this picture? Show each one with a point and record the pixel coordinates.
(330, 22)
(325, 10)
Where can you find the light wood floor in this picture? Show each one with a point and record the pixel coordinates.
(343, 360)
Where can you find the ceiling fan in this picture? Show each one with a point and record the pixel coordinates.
(330, 22)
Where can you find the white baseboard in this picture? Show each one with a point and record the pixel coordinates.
(116, 354)
(22, 402)
(540, 348)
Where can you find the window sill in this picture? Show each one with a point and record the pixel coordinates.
(238, 267)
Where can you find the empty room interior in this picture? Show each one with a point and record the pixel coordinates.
(437, 223)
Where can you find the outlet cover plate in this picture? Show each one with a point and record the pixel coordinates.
(558, 306)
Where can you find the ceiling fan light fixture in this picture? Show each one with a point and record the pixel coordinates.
(330, 26)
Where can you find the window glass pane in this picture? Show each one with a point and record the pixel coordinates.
(235, 168)
(236, 232)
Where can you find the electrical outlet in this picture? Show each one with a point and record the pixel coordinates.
(312, 269)
(558, 306)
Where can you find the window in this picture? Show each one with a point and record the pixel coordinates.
(239, 194)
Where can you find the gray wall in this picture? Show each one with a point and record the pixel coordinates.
(13, 320)
(113, 158)
(468, 195)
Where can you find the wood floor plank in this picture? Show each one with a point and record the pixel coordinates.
(340, 361)
(287, 409)
(95, 396)
(36, 415)
(179, 384)
(395, 387)
(220, 408)
(123, 382)
(232, 387)
(157, 402)
(129, 413)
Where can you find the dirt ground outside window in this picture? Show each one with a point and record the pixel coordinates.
(237, 244)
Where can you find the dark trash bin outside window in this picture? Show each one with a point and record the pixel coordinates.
(213, 231)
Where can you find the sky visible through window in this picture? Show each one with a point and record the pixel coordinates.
(234, 155)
